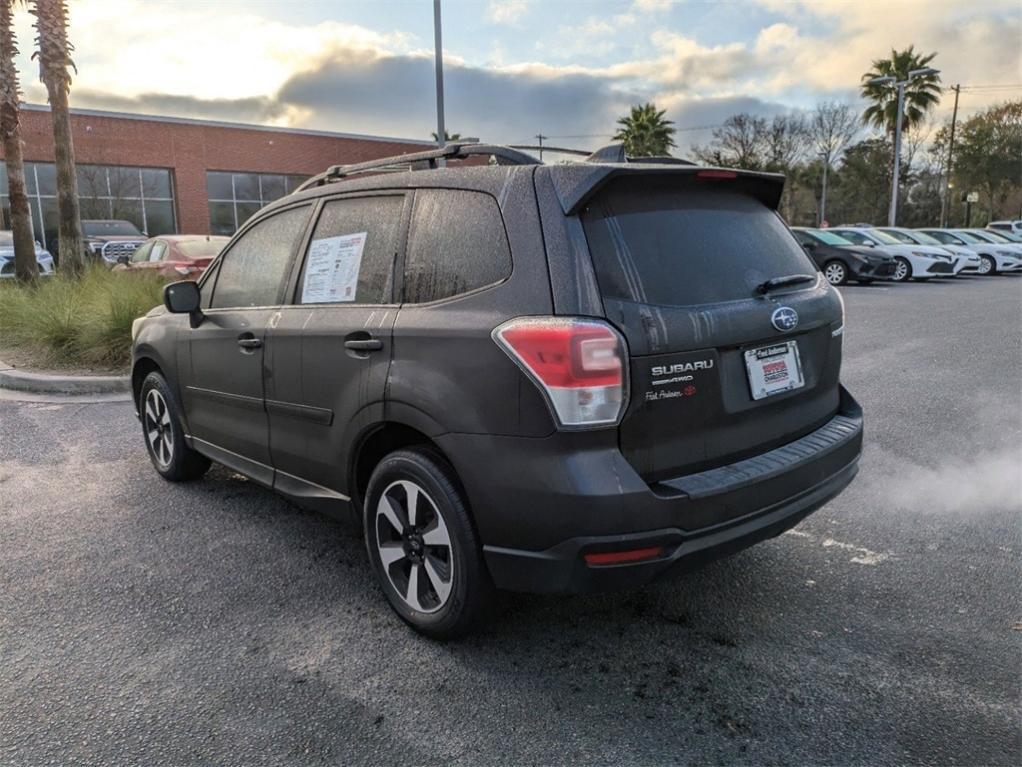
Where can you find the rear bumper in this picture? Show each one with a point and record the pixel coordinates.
(538, 522)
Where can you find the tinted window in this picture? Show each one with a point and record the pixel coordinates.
(351, 254)
(253, 270)
(458, 244)
(109, 229)
(142, 253)
(674, 245)
(857, 237)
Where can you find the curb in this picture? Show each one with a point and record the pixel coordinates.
(43, 383)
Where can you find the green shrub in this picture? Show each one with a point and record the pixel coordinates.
(87, 321)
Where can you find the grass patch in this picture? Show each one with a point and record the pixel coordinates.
(61, 321)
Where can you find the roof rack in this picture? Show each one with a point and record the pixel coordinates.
(431, 158)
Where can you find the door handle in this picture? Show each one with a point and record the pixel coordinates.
(249, 341)
(364, 344)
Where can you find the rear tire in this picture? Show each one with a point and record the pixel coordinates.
(422, 544)
(164, 437)
(902, 270)
(835, 272)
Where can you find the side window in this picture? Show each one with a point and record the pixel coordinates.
(252, 271)
(159, 251)
(803, 238)
(855, 237)
(457, 244)
(141, 253)
(351, 253)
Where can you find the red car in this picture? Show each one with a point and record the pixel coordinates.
(175, 256)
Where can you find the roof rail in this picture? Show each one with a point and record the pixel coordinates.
(431, 158)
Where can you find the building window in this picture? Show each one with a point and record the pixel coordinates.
(234, 197)
(143, 196)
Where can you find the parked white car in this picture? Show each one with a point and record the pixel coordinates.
(965, 259)
(1015, 227)
(914, 262)
(42, 257)
(994, 258)
(996, 240)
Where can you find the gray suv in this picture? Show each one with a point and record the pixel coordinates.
(510, 375)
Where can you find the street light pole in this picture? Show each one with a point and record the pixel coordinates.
(441, 133)
(892, 214)
(823, 194)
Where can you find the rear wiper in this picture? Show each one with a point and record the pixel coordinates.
(783, 282)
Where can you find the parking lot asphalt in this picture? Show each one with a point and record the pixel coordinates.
(213, 623)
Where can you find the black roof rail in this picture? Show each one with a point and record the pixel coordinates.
(429, 159)
(548, 148)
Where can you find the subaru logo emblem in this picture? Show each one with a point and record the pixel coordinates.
(784, 318)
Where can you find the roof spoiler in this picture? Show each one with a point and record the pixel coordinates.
(577, 184)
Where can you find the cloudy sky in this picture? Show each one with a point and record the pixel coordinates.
(515, 68)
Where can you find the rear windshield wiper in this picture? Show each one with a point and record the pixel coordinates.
(783, 282)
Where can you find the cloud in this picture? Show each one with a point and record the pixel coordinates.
(395, 94)
(652, 6)
(507, 12)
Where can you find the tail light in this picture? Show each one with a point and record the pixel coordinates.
(578, 364)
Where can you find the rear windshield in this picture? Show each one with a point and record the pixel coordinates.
(676, 245)
(109, 229)
(202, 248)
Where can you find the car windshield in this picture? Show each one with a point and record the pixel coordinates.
(1004, 237)
(972, 240)
(905, 237)
(983, 237)
(204, 248)
(109, 229)
(926, 239)
(884, 237)
(829, 238)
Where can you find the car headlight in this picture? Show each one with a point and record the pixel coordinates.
(95, 247)
(1006, 254)
(920, 254)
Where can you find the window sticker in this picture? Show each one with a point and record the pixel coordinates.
(331, 270)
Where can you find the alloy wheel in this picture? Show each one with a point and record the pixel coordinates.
(158, 428)
(985, 265)
(414, 546)
(835, 273)
(901, 271)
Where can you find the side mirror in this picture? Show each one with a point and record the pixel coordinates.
(184, 298)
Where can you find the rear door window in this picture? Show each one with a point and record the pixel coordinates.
(352, 252)
(457, 244)
(678, 244)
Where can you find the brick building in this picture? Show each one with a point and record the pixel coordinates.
(169, 174)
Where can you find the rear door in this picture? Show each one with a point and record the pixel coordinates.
(329, 350)
(223, 389)
(681, 262)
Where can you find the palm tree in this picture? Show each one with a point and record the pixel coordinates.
(54, 54)
(645, 132)
(25, 266)
(921, 94)
(448, 136)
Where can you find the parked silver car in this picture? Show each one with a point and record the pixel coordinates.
(42, 256)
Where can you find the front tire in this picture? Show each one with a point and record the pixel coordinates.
(423, 546)
(835, 272)
(902, 270)
(164, 437)
(987, 265)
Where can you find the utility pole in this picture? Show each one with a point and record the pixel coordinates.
(945, 212)
(539, 137)
(438, 46)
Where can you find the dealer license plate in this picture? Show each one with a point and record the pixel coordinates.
(774, 369)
